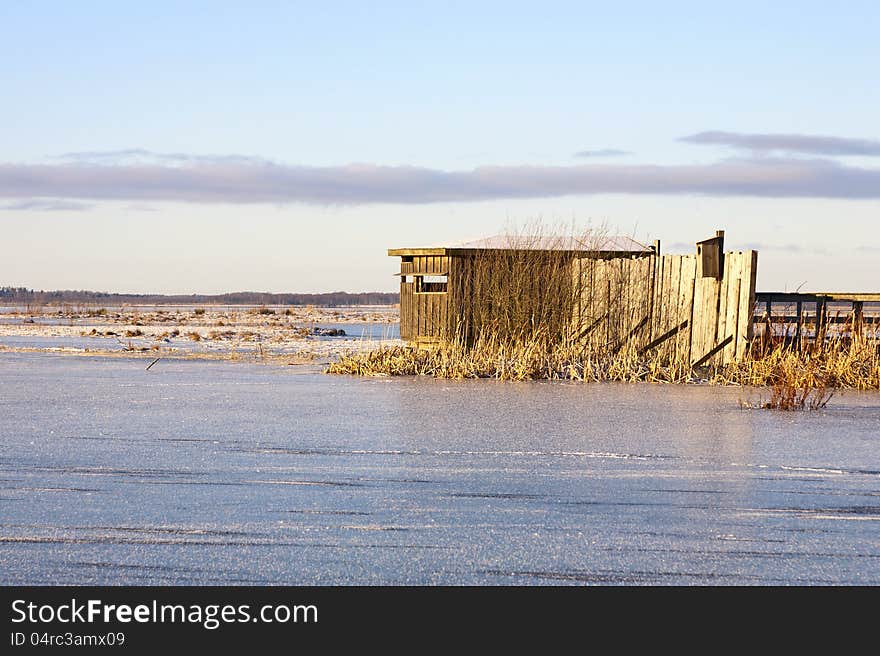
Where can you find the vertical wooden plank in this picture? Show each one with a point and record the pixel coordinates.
(658, 318)
(632, 281)
(733, 273)
(721, 329)
(698, 313)
(661, 299)
(406, 311)
(408, 315)
(656, 298)
(635, 282)
(740, 310)
(638, 285)
(444, 314)
(672, 285)
(674, 315)
(414, 315)
(425, 314)
(710, 305)
(745, 327)
(413, 312)
(438, 322)
(445, 321)
(429, 319)
(704, 324)
(672, 272)
(650, 279)
(735, 309)
(686, 288)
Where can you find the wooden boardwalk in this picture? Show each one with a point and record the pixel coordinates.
(802, 319)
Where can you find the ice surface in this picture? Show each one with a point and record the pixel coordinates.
(207, 472)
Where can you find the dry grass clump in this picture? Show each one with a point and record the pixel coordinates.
(795, 383)
(521, 359)
(853, 363)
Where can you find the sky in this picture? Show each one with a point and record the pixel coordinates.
(186, 147)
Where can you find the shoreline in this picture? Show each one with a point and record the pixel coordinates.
(290, 335)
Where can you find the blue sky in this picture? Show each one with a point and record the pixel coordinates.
(209, 147)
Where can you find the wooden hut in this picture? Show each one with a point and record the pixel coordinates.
(508, 282)
(607, 293)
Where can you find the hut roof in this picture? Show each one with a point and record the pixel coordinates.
(566, 243)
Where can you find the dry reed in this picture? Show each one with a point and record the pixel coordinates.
(795, 379)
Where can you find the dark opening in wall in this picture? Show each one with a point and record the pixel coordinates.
(431, 284)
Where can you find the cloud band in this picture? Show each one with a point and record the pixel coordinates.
(790, 143)
(244, 180)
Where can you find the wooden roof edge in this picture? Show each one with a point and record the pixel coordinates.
(421, 273)
(395, 252)
(580, 253)
(453, 250)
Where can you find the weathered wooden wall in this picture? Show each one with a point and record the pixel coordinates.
(612, 300)
(656, 304)
(423, 315)
(666, 304)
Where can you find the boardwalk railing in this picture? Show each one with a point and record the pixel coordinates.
(800, 319)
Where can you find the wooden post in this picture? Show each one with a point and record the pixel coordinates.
(858, 315)
(821, 321)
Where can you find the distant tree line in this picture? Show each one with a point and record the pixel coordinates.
(22, 295)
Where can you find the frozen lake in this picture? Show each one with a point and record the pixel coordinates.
(205, 472)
